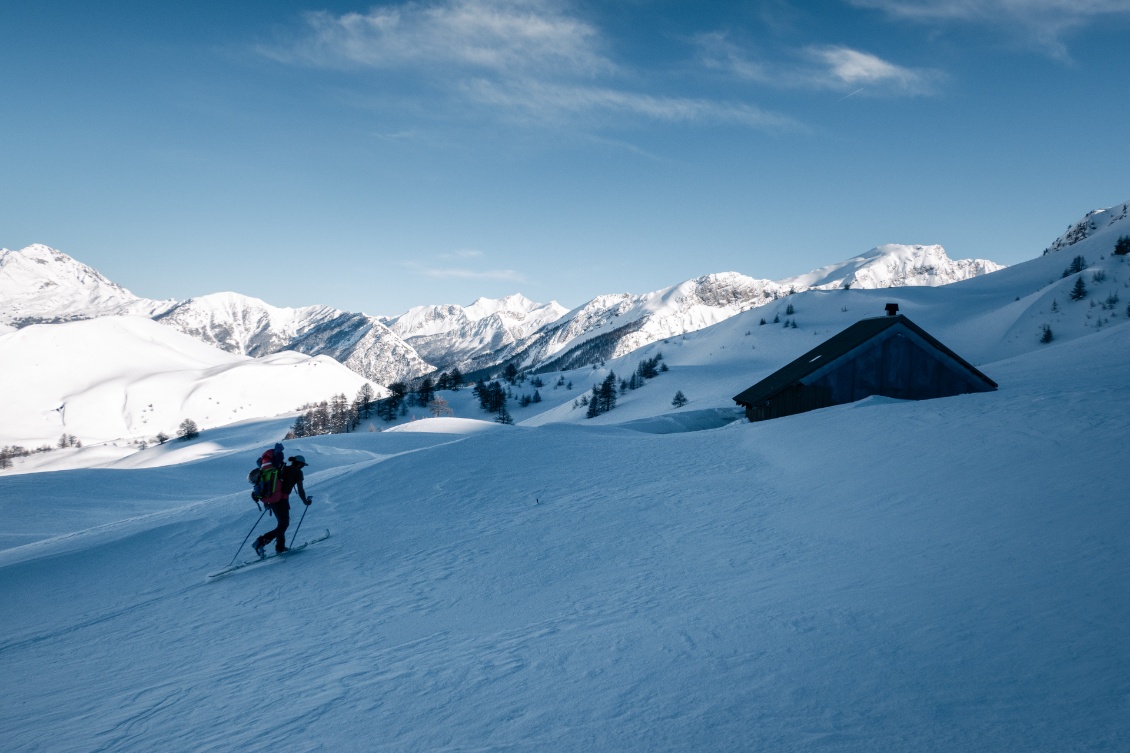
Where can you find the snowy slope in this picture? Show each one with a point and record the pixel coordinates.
(128, 378)
(938, 576)
(1103, 222)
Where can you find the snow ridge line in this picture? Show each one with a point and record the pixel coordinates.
(73, 541)
(56, 545)
(82, 625)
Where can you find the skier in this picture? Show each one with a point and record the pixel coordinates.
(291, 478)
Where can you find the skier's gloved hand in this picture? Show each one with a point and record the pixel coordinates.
(307, 501)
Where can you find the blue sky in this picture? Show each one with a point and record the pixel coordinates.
(377, 157)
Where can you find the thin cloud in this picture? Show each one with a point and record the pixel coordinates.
(503, 36)
(522, 59)
(851, 68)
(467, 253)
(551, 101)
(1042, 23)
(463, 273)
(819, 67)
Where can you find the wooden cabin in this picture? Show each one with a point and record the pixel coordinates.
(888, 355)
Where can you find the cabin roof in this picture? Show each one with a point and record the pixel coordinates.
(837, 346)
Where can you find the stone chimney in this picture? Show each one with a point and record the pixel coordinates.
(892, 309)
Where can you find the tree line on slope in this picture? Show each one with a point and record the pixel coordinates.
(1080, 292)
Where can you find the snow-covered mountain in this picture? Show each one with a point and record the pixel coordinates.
(1112, 219)
(724, 308)
(249, 326)
(128, 378)
(611, 325)
(44, 285)
(893, 266)
(242, 324)
(41, 285)
(452, 335)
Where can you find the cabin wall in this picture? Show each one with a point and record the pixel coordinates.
(796, 399)
(897, 365)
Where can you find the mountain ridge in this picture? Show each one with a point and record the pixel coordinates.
(987, 317)
(42, 285)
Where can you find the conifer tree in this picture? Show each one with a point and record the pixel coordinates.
(1079, 292)
(594, 404)
(1078, 264)
(479, 391)
(608, 392)
(603, 396)
(679, 400)
(389, 407)
(492, 398)
(426, 392)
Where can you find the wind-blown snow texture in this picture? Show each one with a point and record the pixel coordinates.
(945, 575)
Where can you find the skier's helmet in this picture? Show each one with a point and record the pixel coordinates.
(298, 459)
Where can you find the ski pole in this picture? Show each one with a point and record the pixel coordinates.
(293, 535)
(245, 538)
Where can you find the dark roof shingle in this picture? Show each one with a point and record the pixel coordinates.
(835, 347)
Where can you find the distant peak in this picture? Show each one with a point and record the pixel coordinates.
(513, 303)
(1093, 222)
(514, 299)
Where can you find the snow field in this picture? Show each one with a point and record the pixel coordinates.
(945, 575)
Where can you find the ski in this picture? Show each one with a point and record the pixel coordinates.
(269, 557)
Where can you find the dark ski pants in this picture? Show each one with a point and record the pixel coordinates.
(282, 515)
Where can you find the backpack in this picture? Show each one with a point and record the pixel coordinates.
(266, 479)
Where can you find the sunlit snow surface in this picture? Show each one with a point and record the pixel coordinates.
(946, 575)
